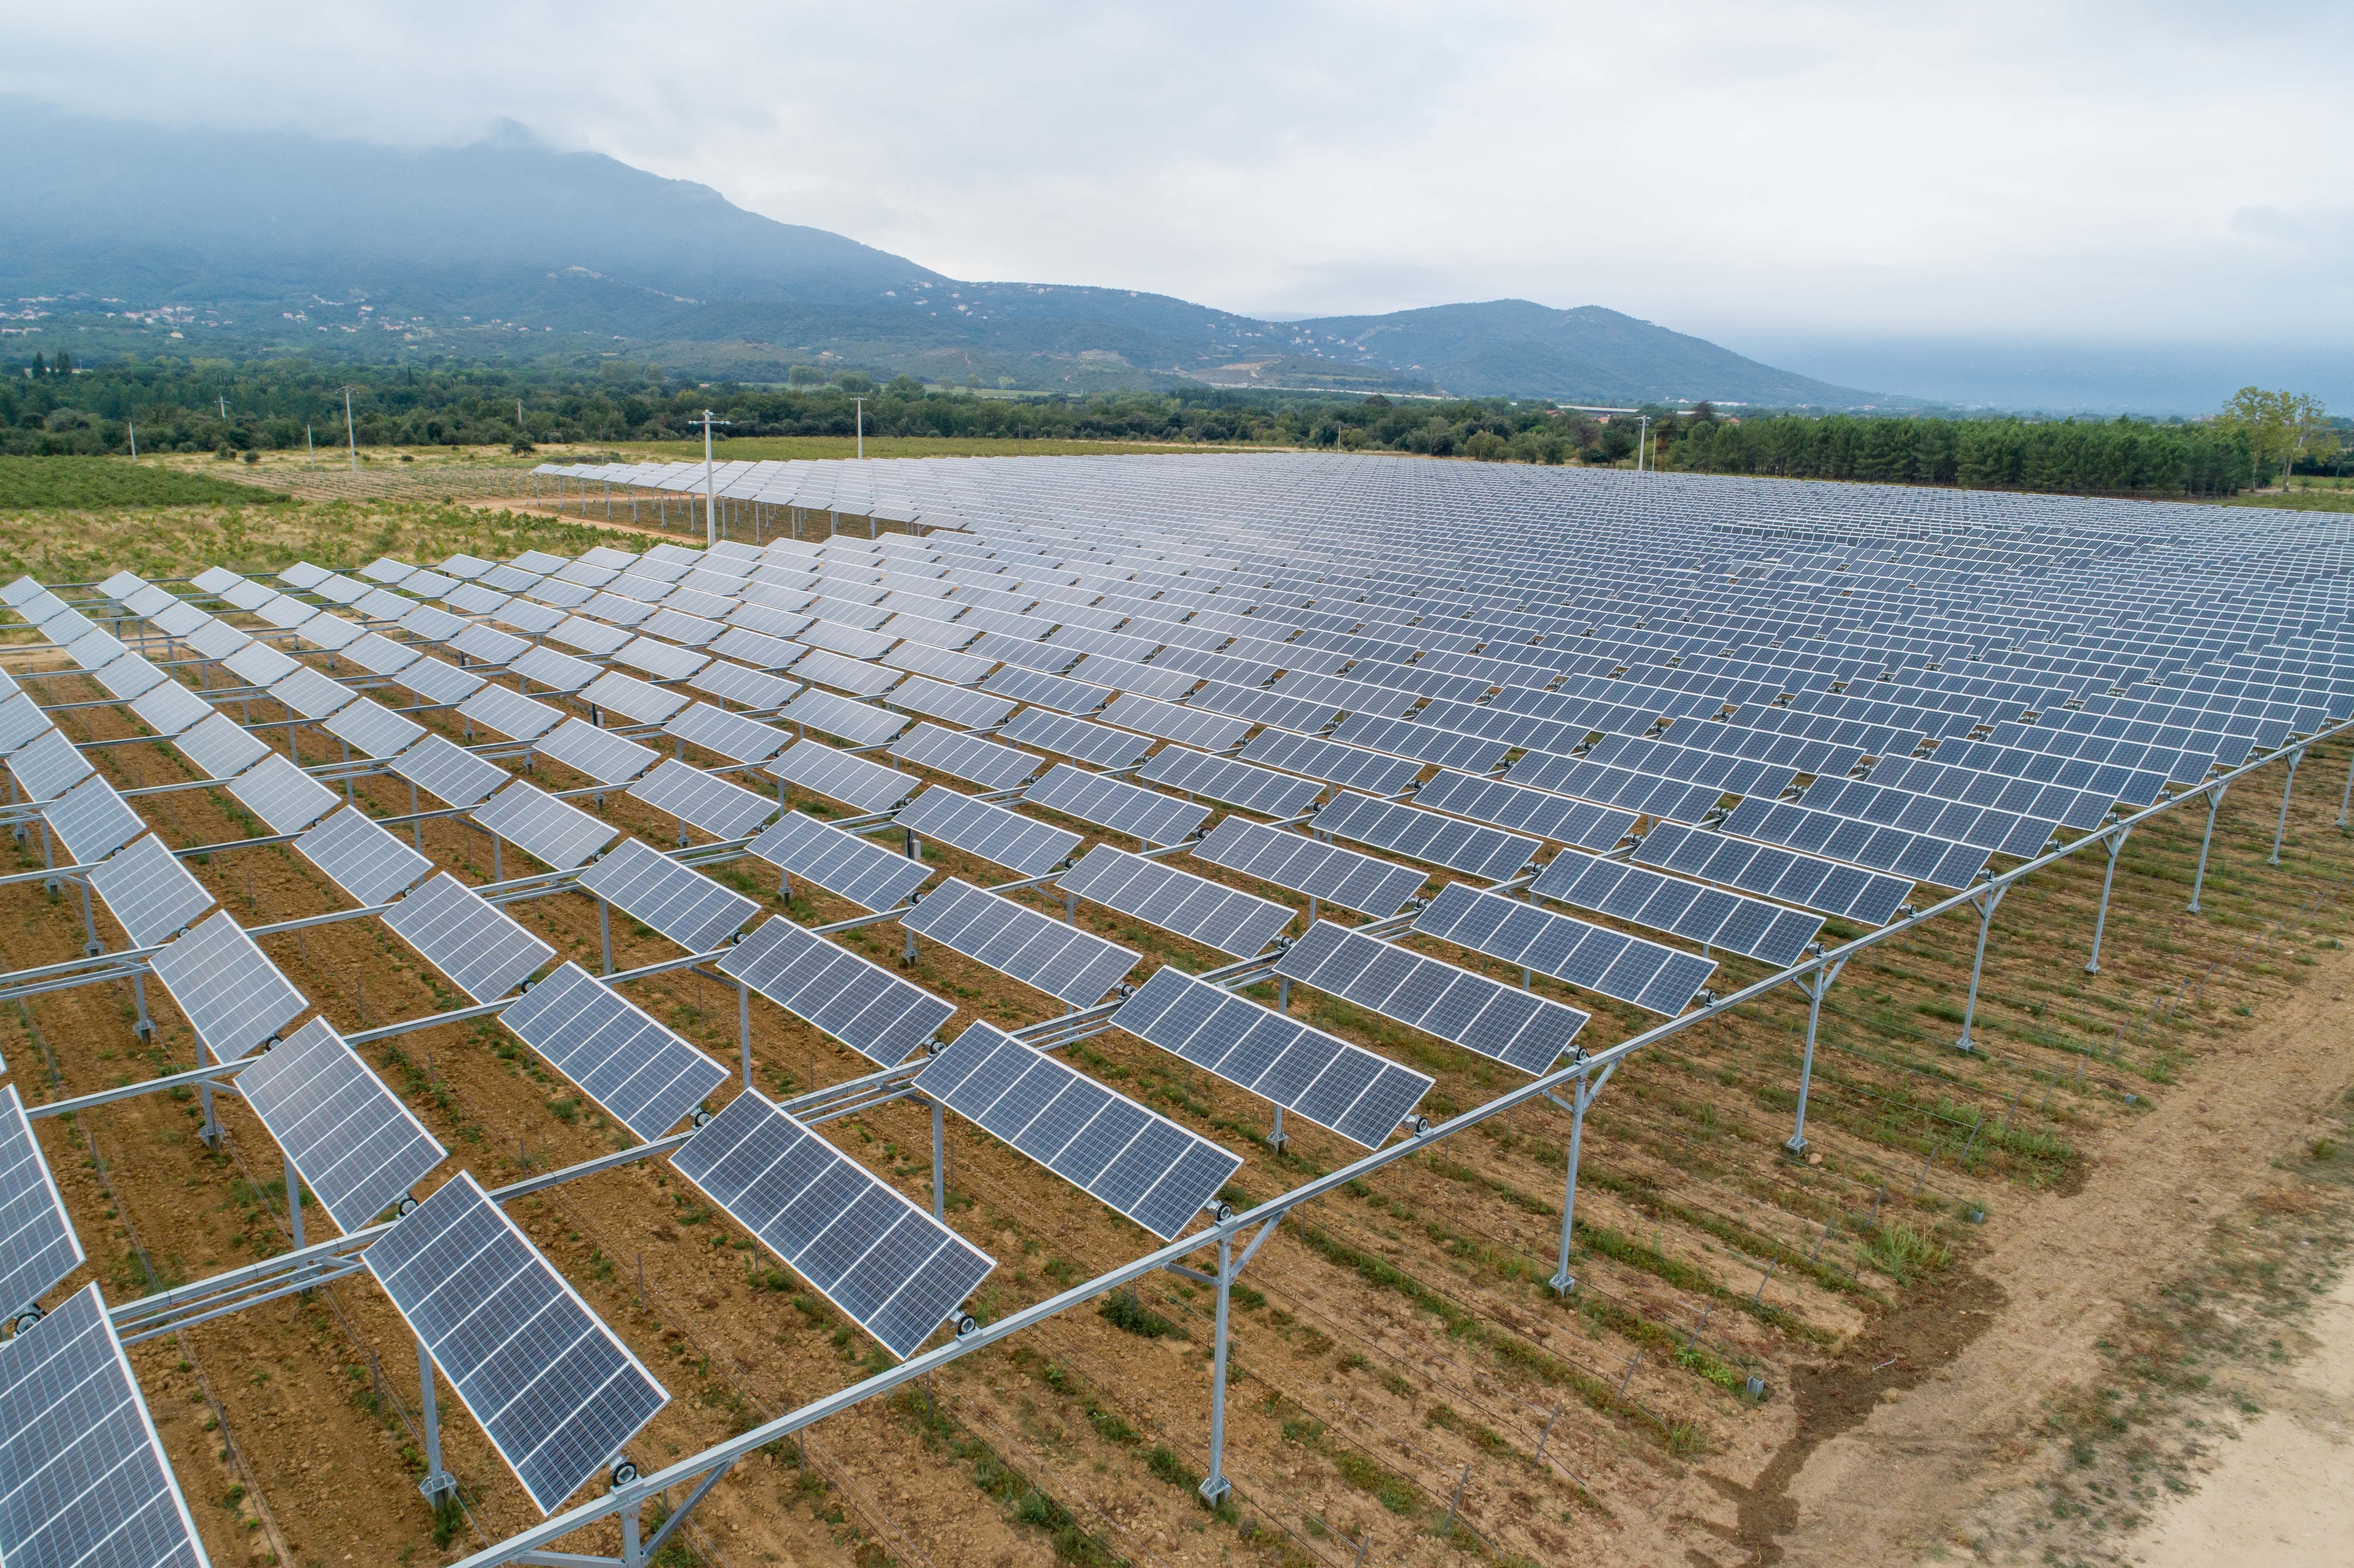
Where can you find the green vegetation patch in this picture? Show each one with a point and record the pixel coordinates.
(36, 483)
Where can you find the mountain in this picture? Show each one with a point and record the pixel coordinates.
(131, 238)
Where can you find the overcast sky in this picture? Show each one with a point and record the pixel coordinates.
(2157, 173)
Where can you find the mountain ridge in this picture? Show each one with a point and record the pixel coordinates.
(506, 246)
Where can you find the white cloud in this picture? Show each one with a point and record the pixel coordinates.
(2178, 171)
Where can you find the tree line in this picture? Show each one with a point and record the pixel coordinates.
(51, 407)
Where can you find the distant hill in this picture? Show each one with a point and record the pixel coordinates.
(128, 238)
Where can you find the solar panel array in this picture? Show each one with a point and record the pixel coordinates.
(1209, 913)
(1522, 1031)
(865, 1006)
(1015, 940)
(358, 1147)
(842, 862)
(38, 1244)
(1593, 957)
(645, 1076)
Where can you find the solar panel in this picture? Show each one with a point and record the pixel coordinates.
(941, 664)
(311, 694)
(1209, 731)
(842, 862)
(50, 765)
(21, 722)
(1323, 870)
(556, 1391)
(484, 951)
(733, 683)
(1221, 917)
(556, 672)
(973, 710)
(259, 664)
(632, 699)
(1424, 742)
(646, 1077)
(731, 735)
(863, 1005)
(1651, 975)
(1941, 862)
(1426, 836)
(1114, 803)
(82, 1472)
(219, 639)
(234, 996)
(444, 769)
(757, 648)
(485, 645)
(127, 678)
(1139, 1164)
(989, 831)
(281, 794)
(593, 637)
(599, 753)
(1234, 783)
(892, 1268)
(91, 821)
(966, 757)
(509, 713)
(1546, 815)
(1709, 915)
(374, 730)
(1847, 890)
(1357, 1094)
(1332, 761)
(1081, 738)
(218, 747)
(678, 901)
(361, 858)
(860, 723)
(863, 786)
(1472, 1011)
(149, 892)
(38, 1244)
(556, 831)
(357, 1148)
(1078, 967)
(723, 809)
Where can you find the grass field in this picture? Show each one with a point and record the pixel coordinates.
(48, 483)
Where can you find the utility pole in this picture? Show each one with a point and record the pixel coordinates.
(1642, 436)
(710, 494)
(135, 440)
(310, 447)
(224, 403)
(351, 432)
(860, 404)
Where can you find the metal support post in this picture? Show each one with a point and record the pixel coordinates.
(1562, 1281)
(439, 1484)
(145, 1028)
(294, 1202)
(1987, 902)
(1816, 986)
(210, 1132)
(2214, 803)
(1215, 1487)
(940, 1161)
(2347, 799)
(415, 818)
(2100, 921)
(1278, 1139)
(92, 947)
(633, 1555)
(744, 1027)
(2287, 784)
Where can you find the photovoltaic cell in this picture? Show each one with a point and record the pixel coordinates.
(860, 723)
(1497, 1021)
(1651, 975)
(148, 891)
(646, 1077)
(1710, 916)
(990, 831)
(374, 730)
(82, 1472)
(38, 1244)
(507, 712)
(234, 996)
(597, 753)
(1850, 892)
(91, 821)
(458, 932)
(361, 858)
(678, 901)
(724, 810)
(1323, 870)
(1078, 967)
(967, 757)
(556, 1391)
(727, 735)
(1081, 738)
(1538, 811)
(891, 1267)
(840, 862)
(1234, 783)
(1223, 917)
(1426, 836)
(219, 748)
(556, 831)
(1115, 804)
(1361, 1095)
(862, 786)
(49, 765)
(1139, 1164)
(358, 1149)
(442, 768)
(863, 1005)
(281, 794)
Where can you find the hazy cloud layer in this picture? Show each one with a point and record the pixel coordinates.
(2180, 172)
